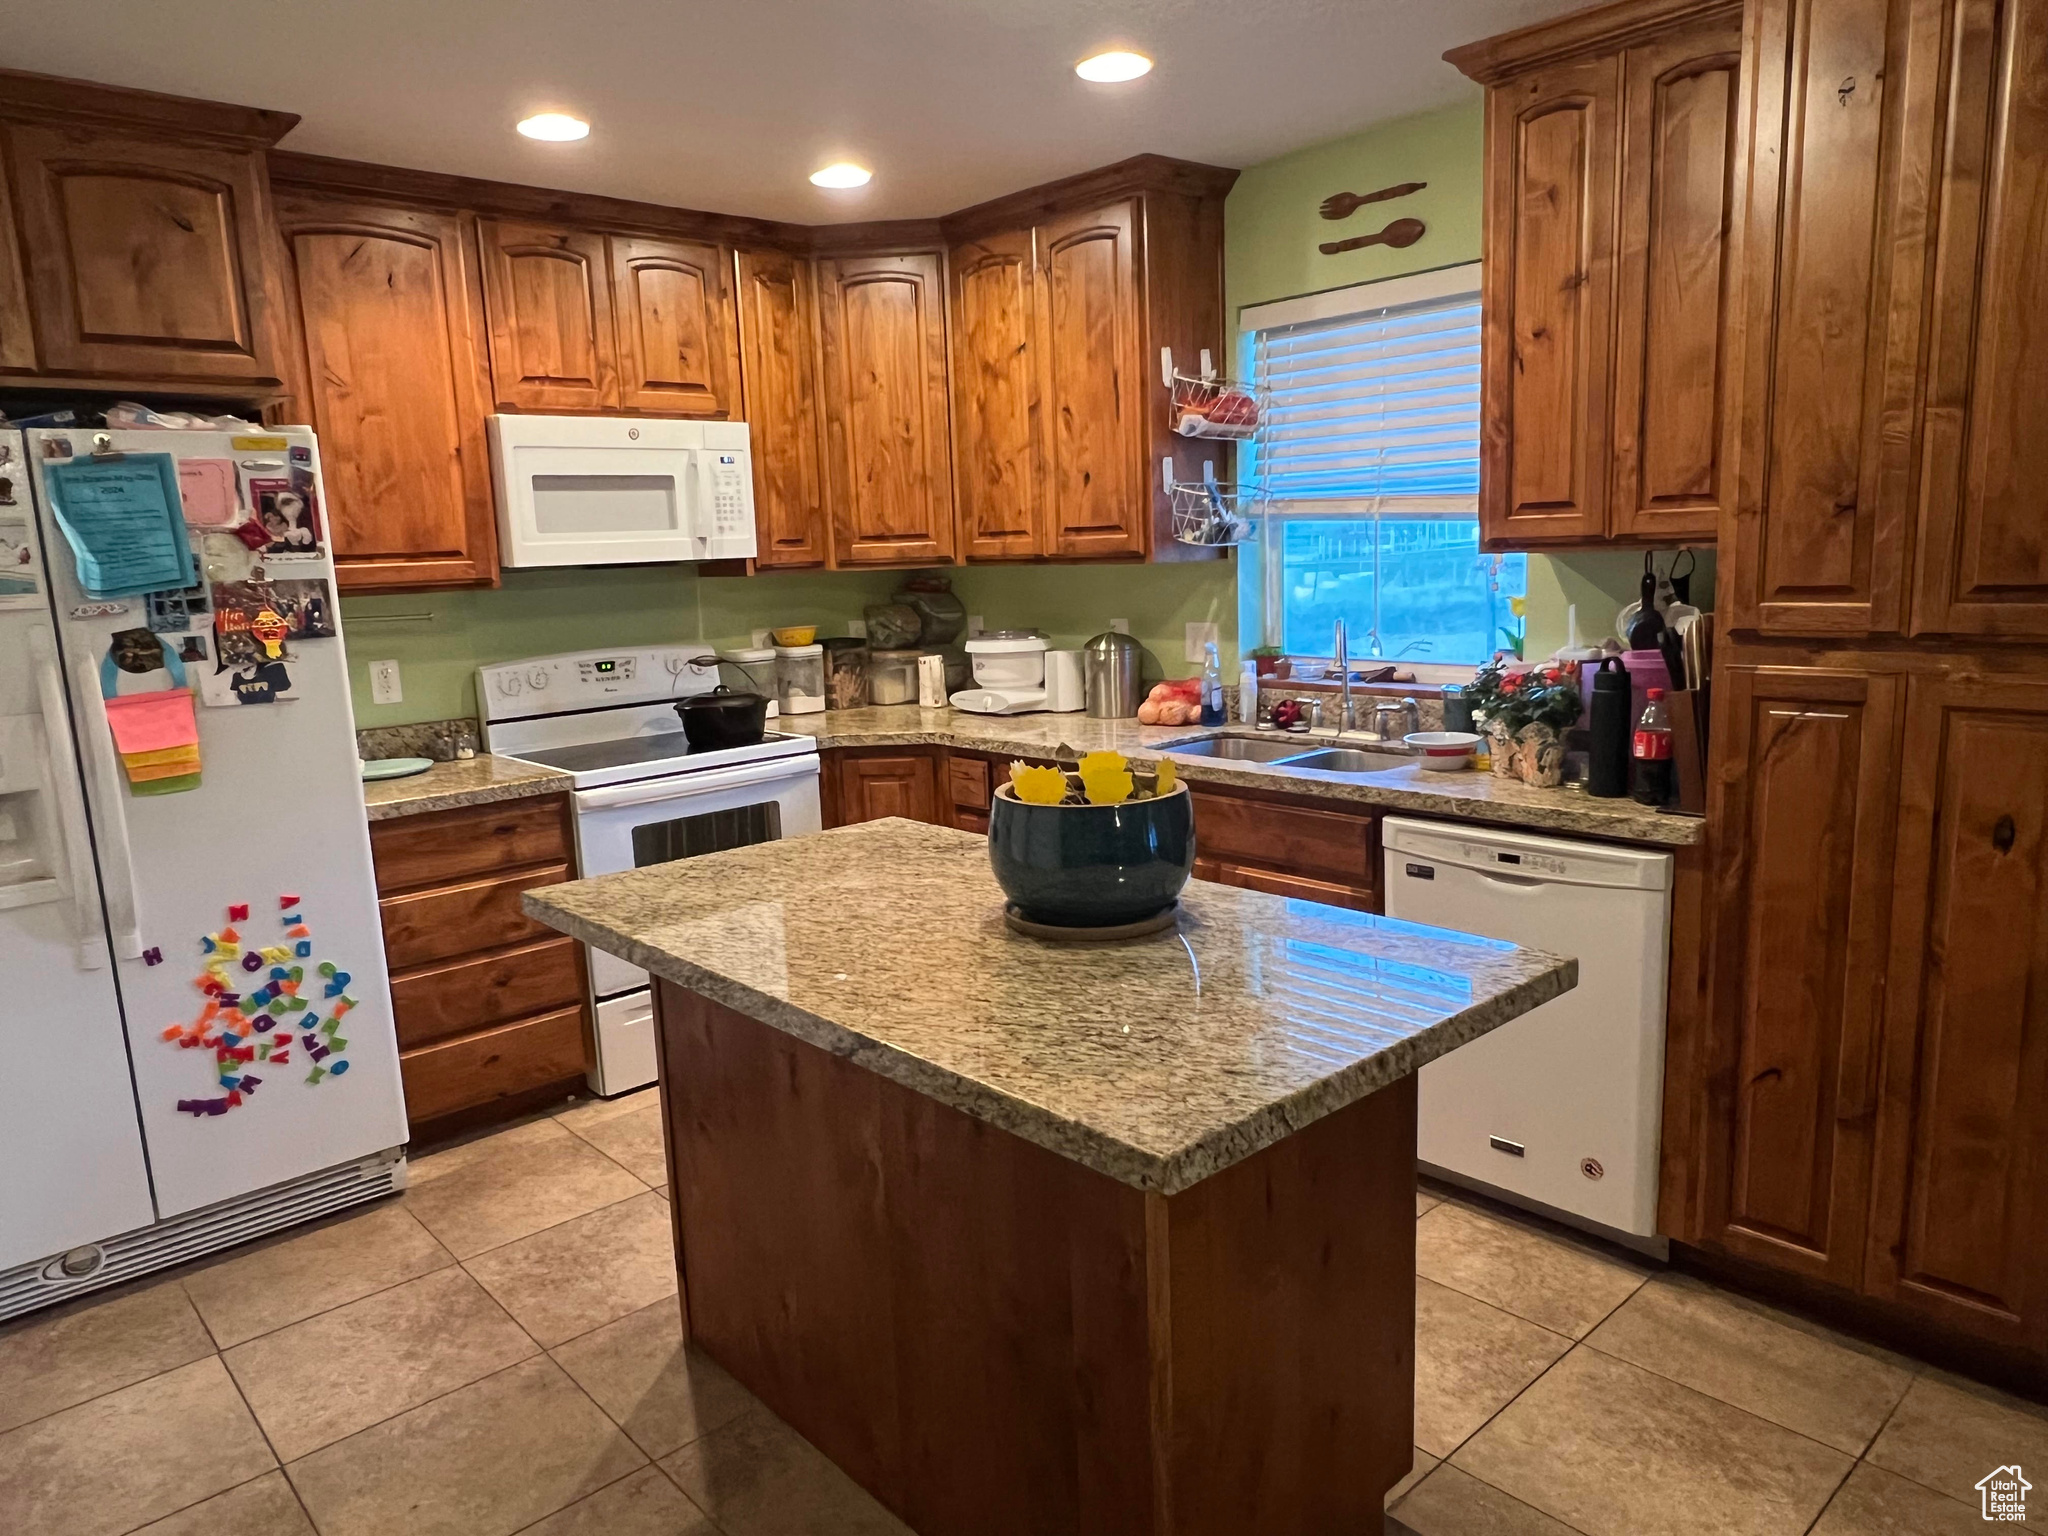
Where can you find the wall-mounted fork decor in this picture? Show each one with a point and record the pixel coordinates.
(1399, 234)
(1341, 205)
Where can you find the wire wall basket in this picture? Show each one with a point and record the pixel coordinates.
(1215, 408)
(1215, 514)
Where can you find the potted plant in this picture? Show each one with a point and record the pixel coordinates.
(1527, 711)
(1093, 848)
(1266, 658)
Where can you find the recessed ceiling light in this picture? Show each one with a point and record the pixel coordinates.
(1113, 67)
(554, 127)
(842, 173)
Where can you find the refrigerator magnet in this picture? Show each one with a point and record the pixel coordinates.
(21, 574)
(288, 509)
(211, 491)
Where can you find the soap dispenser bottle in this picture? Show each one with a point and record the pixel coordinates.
(1212, 685)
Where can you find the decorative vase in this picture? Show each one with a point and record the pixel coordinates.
(1092, 866)
(1539, 757)
(1500, 747)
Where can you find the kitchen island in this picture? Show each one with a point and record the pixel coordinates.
(1031, 1237)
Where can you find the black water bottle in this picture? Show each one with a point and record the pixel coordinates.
(1610, 729)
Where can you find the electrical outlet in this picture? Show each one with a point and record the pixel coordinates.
(762, 639)
(1199, 636)
(857, 628)
(974, 625)
(386, 687)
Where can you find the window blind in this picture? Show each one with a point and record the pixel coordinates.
(1372, 412)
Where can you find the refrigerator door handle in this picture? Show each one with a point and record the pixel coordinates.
(117, 863)
(61, 761)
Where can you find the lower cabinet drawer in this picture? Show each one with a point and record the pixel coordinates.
(479, 990)
(494, 1064)
(451, 920)
(1274, 882)
(1319, 845)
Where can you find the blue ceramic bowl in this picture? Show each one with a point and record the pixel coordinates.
(1092, 866)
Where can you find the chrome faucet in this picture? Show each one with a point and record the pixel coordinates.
(1343, 673)
(1392, 721)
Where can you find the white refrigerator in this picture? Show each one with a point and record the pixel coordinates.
(195, 1016)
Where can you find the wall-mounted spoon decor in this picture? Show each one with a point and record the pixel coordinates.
(1342, 205)
(1399, 234)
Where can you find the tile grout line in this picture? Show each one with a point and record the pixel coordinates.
(217, 1493)
(645, 1189)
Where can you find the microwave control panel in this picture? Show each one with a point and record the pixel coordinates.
(731, 517)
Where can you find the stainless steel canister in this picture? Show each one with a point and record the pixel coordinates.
(1111, 666)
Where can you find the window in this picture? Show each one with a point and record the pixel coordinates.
(1369, 451)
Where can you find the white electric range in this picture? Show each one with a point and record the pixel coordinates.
(641, 796)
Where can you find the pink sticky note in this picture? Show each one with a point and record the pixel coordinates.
(207, 489)
(150, 722)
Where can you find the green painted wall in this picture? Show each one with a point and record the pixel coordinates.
(1272, 227)
(1271, 231)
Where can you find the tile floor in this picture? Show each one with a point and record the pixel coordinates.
(498, 1350)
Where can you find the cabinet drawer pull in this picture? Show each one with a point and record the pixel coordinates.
(2003, 831)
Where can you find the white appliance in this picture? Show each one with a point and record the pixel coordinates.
(641, 796)
(1562, 1108)
(107, 898)
(1009, 673)
(1065, 692)
(595, 490)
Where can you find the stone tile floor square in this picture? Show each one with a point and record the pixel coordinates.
(499, 1351)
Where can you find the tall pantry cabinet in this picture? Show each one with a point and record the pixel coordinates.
(1873, 1090)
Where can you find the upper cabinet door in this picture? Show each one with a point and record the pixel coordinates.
(146, 259)
(1841, 163)
(17, 335)
(1092, 384)
(778, 313)
(678, 347)
(995, 399)
(391, 313)
(1960, 1224)
(1805, 804)
(1672, 283)
(1550, 155)
(882, 330)
(550, 299)
(1983, 562)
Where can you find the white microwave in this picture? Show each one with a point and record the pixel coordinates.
(598, 490)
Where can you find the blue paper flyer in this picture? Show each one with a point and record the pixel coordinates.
(124, 522)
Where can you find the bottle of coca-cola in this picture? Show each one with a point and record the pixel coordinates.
(1651, 750)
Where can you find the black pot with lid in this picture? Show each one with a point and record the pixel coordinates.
(723, 718)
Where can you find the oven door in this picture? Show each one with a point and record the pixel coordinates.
(630, 826)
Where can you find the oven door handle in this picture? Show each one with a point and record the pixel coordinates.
(683, 786)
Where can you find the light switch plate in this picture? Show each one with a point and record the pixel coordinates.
(386, 686)
(1198, 636)
(974, 625)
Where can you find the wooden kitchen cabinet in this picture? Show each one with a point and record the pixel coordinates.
(1287, 848)
(866, 784)
(1065, 303)
(1842, 157)
(778, 348)
(1982, 566)
(491, 1007)
(999, 446)
(1611, 143)
(1802, 898)
(387, 306)
(882, 342)
(135, 252)
(678, 341)
(549, 293)
(1959, 1226)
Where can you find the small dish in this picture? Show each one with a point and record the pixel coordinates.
(1442, 751)
(794, 634)
(394, 768)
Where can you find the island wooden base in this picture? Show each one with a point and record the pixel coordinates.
(992, 1339)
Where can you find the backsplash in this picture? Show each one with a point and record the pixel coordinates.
(442, 740)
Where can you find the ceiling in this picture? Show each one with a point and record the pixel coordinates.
(729, 106)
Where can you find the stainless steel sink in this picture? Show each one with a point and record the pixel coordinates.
(1347, 760)
(1237, 749)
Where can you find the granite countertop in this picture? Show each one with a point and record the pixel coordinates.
(1468, 796)
(1157, 1062)
(466, 781)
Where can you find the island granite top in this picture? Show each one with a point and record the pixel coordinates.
(1156, 1062)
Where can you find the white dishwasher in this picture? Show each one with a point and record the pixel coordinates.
(1562, 1107)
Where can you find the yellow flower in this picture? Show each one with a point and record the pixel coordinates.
(1167, 779)
(1518, 606)
(1038, 786)
(1106, 778)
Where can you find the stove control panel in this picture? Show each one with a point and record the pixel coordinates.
(584, 680)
